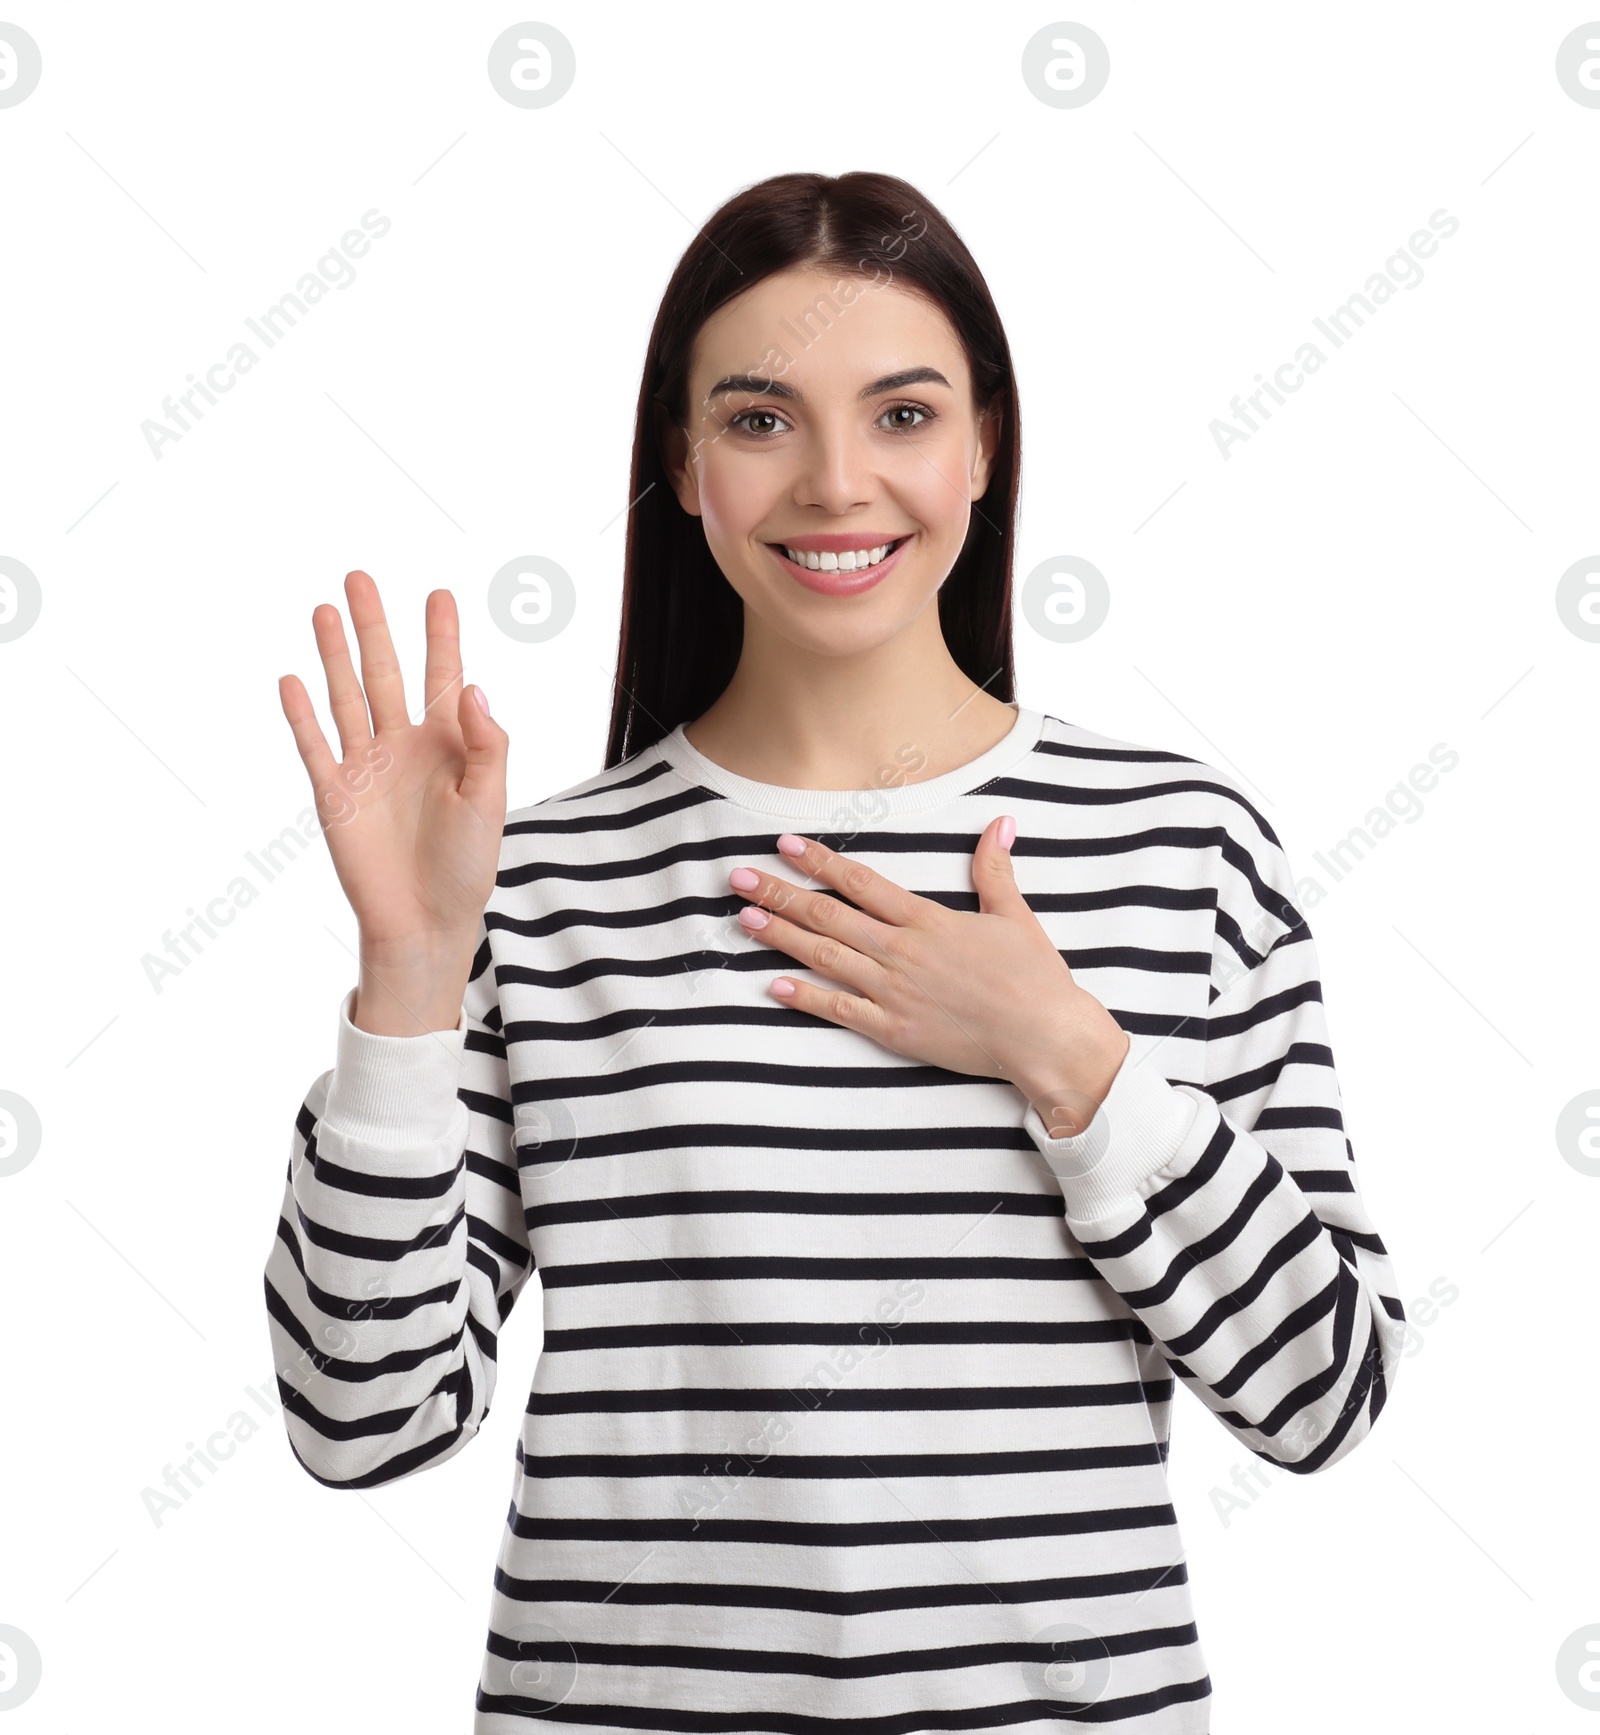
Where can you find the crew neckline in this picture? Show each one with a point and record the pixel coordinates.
(1015, 745)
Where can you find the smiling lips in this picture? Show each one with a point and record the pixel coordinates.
(840, 565)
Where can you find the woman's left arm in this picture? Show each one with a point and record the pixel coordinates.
(1226, 1212)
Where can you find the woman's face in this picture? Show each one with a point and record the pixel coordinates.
(834, 418)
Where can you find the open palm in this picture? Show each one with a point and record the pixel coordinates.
(414, 811)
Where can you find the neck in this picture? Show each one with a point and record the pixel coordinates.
(808, 721)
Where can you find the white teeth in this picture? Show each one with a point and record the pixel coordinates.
(852, 561)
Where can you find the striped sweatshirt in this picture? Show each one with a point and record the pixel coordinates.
(853, 1403)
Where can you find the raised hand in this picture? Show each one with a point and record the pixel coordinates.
(413, 812)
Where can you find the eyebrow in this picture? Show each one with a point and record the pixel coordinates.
(760, 385)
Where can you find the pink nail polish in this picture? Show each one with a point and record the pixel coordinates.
(791, 845)
(744, 879)
(1006, 835)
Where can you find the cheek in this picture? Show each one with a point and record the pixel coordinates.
(733, 498)
(935, 486)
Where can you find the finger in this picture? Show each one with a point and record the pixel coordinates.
(315, 753)
(822, 952)
(873, 892)
(380, 667)
(345, 697)
(820, 911)
(483, 783)
(993, 875)
(850, 1011)
(442, 671)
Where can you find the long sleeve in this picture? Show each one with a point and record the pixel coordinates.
(1227, 1213)
(401, 1246)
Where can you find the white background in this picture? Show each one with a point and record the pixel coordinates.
(1373, 572)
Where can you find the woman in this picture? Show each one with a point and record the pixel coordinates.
(894, 1086)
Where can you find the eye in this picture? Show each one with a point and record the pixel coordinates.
(734, 421)
(916, 409)
(746, 417)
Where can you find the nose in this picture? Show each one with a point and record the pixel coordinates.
(836, 469)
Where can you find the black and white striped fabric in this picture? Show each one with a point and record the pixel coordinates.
(853, 1405)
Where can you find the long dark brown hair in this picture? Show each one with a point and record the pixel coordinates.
(682, 623)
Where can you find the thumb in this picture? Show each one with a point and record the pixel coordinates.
(484, 781)
(992, 874)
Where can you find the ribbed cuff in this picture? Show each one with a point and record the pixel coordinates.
(394, 1090)
(1139, 1127)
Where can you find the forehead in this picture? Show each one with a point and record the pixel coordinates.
(825, 333)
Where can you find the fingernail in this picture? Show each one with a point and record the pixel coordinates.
(753, 917)
(783, 988)
(744, 879)
(792, 845)
(482, 699)
(1007, 832)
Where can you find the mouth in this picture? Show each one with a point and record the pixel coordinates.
(835, 580)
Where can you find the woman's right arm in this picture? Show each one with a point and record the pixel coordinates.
(401, 1243)
(400, 1249)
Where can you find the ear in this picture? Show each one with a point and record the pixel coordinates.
(989, 426)
(673, 444)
